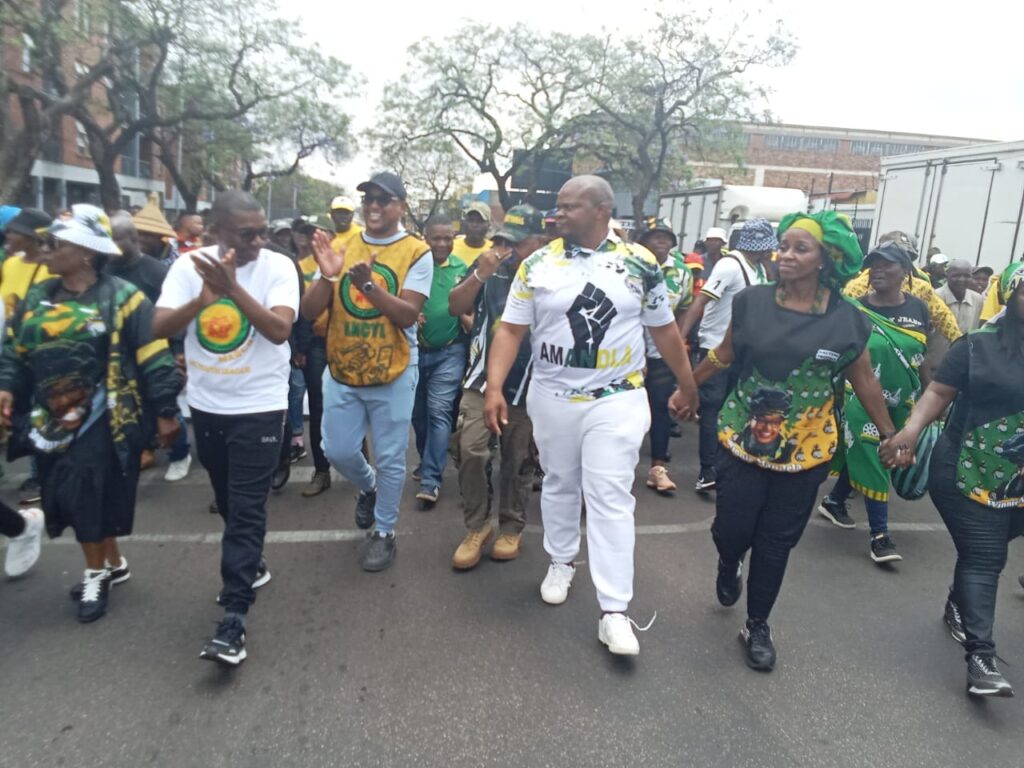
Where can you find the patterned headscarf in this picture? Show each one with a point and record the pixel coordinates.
(835, 233)
(1010, 281)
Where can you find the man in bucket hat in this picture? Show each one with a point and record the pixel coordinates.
(712, 309)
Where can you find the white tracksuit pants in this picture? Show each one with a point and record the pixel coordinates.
(593, 446)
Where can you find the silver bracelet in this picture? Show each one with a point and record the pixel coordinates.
(478, 278)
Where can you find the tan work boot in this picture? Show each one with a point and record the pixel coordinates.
(468, 553)
(506, 547)
(659, 480)
(319, 483)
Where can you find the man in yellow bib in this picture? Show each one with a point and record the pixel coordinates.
(375, 287)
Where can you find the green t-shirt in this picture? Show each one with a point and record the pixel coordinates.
(440, 328)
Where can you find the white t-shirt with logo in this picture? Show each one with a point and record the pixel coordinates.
(587, 311)
(730, 275)
(233, 369)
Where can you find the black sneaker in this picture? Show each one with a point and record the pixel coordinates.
(212, 509)
(227, 644)
(729, 584)
(951, 615)
(280, 478)
(364, 509)
(297, 453)
(985, 679)
(30, 491)
(380, 553)
(757, 637)
(838, 513)
(705, 482)
(883, 550)
(428, 494)
(95, 590)
(262, 577)
(118, 575)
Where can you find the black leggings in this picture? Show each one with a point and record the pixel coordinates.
(981, 536)
(11, 523)
(764, 512)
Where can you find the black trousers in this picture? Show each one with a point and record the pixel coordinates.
(316, 363)
(764, 512)
(11, 523)
(981, 536)
(712, 395)
(240, 453)
(660, 384)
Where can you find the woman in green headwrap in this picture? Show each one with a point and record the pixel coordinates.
(899, 330)
(976, 475)
(789, 341)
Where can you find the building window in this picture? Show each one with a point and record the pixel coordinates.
(81, 140)
(885, 148)
(27, 44)
(797, 143)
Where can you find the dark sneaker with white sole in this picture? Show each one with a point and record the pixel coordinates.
(729, 584)
(95, 590)
(883, 549)
(836, 512)
(262, 577)
(227, 645)
(705, 483)
(951, 615)
(118, 575)
(364, 509)
(757, 637)
(985, 679)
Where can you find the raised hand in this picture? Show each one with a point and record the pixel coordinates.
(487, 263)
(589, 317)
(331, 262)
(218, 274)
(362, 273)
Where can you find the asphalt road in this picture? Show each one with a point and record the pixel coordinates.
(422, 666)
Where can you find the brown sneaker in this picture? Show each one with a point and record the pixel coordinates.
(468, 553)
(506, 546)
(659, 480)
(319, 483)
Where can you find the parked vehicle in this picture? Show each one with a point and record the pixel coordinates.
(966, 201)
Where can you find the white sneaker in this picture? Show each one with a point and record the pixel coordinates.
(555, 587)
(23, 551)
(178, 470)
(615, 631)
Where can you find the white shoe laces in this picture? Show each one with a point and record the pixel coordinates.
(91, 585)
(649, 624)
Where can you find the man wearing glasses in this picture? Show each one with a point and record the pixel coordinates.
(375, 288)
(235, 302)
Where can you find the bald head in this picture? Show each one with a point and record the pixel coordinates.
(125, 234)
(593, 188)
(958, 277)
(583, 210)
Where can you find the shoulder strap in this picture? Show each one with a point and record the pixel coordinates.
(743, 271)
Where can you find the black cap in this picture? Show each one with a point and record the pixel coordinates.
(891, 251)
(31, 222)
(520, 222)
(386, 180)
(651, 224)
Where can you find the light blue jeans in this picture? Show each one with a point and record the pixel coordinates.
(385, 412)
(441, 373)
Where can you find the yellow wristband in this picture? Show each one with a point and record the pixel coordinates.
(715, 361)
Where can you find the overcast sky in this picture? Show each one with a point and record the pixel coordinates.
(896, 65)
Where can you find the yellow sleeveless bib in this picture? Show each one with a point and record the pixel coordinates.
(364, 348)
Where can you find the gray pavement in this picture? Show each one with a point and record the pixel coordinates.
(421, 666)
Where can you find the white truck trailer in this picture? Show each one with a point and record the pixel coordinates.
(966, 201)
(693, 211)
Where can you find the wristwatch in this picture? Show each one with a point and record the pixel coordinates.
(170, 412)
(368, 286)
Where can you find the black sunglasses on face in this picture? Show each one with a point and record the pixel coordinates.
(380, 200)
(251, 233)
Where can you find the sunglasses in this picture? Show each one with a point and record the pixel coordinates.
(248, 234)
(380, 200)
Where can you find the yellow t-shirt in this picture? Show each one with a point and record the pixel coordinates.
(991, 306)
(468, 253)
(341, 239)
(16, 278)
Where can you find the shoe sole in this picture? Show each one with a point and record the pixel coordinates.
(662, 491)
(230, 661)
(704, 489)
(262, 580)
(30, 500)
(619, 650)
(960, 638)
(426, 498)
(835, 521)
(990, 693)
(310, 494)
(502, 557)
(893, 558)
(383, 566)
(561, 600)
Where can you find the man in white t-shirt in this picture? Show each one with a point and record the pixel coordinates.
(712, 309)
(585, 299)
(235, 302)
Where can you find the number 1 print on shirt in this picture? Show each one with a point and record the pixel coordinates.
(589, 317)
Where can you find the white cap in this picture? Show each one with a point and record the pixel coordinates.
(718, 232)
(938, 258)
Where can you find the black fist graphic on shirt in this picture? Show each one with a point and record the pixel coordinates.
(589, 317)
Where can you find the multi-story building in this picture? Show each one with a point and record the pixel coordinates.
(819, 160)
